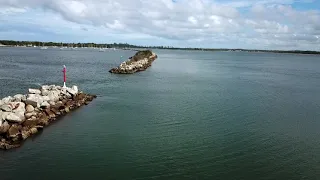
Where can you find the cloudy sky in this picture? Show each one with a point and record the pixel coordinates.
(254, 24)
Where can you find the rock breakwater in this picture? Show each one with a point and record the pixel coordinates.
(139, 62)
(22, 116)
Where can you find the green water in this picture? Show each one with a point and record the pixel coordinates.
(191, 115)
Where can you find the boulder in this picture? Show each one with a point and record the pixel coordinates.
(33, 130)
(6, 100)
(45, 98)
(45, 105)
(34, 99)
(3, 115)
(29, 108)
(45, 87)
(6, 108)
(50, 113)
(28, 115)
(75, 89)
(52, 103)
(25, 134)
(18, 107)
(15, 118)
(72, 91)
(54, 95)
(34, 91)
(19, 97)
(44, 92)
(13, 131)
(4, 127)
(31, 123)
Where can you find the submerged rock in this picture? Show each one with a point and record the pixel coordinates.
(139, 62)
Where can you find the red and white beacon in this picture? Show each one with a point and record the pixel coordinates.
(64, 76)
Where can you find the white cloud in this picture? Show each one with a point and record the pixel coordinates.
(262, 24)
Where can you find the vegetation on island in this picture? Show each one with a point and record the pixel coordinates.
(130, 46)
(141, 55)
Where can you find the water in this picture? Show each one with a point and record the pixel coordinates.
(191, 115)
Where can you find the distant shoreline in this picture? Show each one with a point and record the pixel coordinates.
(125, 46)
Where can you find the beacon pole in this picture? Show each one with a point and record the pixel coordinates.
(64, 76)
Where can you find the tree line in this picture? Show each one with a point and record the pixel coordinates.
(130, 46)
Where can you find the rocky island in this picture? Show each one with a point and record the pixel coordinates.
(22, 116)
(139, 62)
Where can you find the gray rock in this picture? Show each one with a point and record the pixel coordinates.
(34, 91)
(12, 117)
(29, 108)
(45, 105)
(18, 97)
(6, 108)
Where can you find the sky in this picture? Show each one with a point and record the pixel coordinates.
(250, 24)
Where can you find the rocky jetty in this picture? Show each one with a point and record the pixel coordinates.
(22, 116)
(139, 62)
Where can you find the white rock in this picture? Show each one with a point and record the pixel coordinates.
(72, 91)
(1, 103)
(45, 98)
(3, 115)
(29, 108)
(21, 115)
(6, 100)
(45, 87)
(18, 97)
(52, 103)
(34, 91)
(12, 117)
(45, 104)
(34, 99)
(21, 107)
(54, 95)
(75, 88)
(6, 108)
(44, 92)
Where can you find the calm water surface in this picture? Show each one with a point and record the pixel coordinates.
(192, 115)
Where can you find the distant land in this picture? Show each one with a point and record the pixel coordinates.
(125, 46)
